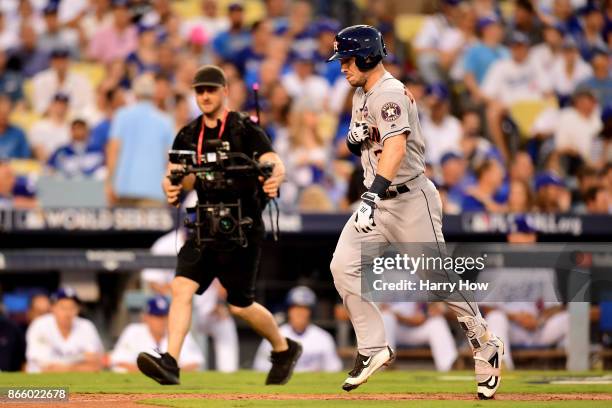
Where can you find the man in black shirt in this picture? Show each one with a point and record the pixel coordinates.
(237, 269)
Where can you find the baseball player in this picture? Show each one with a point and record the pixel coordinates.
(61, 341)
(319, 352)
(401, 205)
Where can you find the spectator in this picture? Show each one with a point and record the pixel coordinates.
(588, 178)
(162, 96)
(40, 304)
(601, 81)
(116, 40)
(299, 32)
(568, 70)
(429, 41)
(442, 131)
(552, 195)
(525, 20)
(96, 16)
(167, 61)
(590, 38)
(208, 20)
(509, 81)
(576, 130)
(482, 196)
(113, 99)
(55, 35)
(140, 138)
(453, 180)
(12, 345)
(562, 13)
(319, 349)
(60, 78)
(481, 56)
(28, 58)
(78, 159)
(302, 81)
(475, 148)
(249, 60)
(171, 33)
(150, 335)
(212, 317)
(276, 12)
(11, 82)
(144, 58)
(70, 11)
(61, 341)
(597, 201)
(52, 131)
(521, 168)
(13, 142)
(157, 13)
(455, 43)
(409, 325)
(326, 30)
(520, 197)
(229, 43)
(545, 54)
(182, 113)
(15, 191)
(8, 39)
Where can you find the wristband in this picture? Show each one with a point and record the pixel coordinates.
(379, 185)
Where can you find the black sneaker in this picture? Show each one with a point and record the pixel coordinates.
(366, 366)
(283, 363)
(162, 369)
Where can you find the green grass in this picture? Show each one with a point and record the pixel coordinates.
(387, 382)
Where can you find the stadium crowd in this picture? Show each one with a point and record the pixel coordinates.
(515, 97)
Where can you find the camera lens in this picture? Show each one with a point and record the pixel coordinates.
(227, 225)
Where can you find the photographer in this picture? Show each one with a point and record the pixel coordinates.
(237, 268)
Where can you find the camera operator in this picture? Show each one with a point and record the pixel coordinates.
(237, 268)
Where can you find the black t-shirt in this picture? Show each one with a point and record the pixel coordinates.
(244, 136)
(12, 346)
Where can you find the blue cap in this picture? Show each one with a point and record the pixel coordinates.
(326, 25)
(518, 37)
(486, 21)
(305, 55)
(60, 52)
(453, 2)
(548, 179)
(157, 306)
(51, 8)
(385, 28)
(235, 6)
(301, 296)
(65, 292)
(606, 113)
(590, 8)
(449, 156)
(522, 224)
(439, 90)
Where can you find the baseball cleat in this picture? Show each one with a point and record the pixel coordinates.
(487, 363)
(366, 366)
(162, 369)
(283, 363)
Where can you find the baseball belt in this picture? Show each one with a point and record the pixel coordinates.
(394, 191)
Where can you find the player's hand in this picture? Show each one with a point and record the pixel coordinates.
(172, 192)
(359, 132)
(364, 216)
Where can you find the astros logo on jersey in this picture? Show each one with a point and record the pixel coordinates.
(390, 111)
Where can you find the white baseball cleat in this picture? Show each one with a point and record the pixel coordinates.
(366, 366)
(487, 363)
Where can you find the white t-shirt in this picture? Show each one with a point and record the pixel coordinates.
(49, 135)
(432, 33)
(70, 9)
(319, 352)
(45, 344)
(441, 138)
(315, 88)
(575, 131)
(542, 56)
(46, 84)
(510, 82)
(565, 84)
(136, 338)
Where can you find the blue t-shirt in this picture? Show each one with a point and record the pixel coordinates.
(98, 136)
(74, 162)
(248, 61)
(602, 88)
(13, 144)
(479, 58)
(145, 135)
(330, 71)
(228, 44)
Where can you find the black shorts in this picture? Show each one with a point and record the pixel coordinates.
(236, 269)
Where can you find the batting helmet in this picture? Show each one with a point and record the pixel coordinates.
(363, 42)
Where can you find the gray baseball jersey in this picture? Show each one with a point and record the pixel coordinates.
(389, 111)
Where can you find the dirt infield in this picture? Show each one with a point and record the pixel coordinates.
(130, 400)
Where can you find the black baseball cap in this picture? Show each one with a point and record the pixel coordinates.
(209, 75)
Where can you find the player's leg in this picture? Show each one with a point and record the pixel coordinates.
(238, 276)
(499, 324)
(416, 216)
(346, 266)
(391, 327)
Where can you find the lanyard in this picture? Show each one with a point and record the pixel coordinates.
(201, 136)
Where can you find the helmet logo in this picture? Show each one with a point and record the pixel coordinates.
(335, 46)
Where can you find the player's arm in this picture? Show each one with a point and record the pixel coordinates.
(526, 320)
(394, 150)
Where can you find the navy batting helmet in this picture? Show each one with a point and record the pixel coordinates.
(363, 42)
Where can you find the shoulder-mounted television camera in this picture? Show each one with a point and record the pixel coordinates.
(220, 174)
